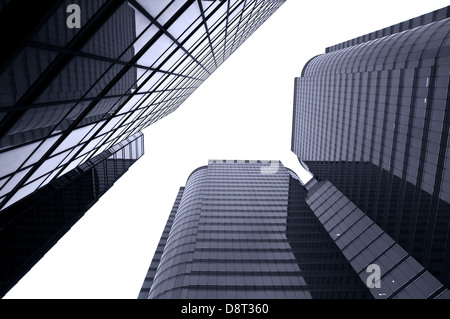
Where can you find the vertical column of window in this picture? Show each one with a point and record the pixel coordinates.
(359, 53)
(329, 63)
(407, 111)
(351, 135)
(441, 103)
(363, 84)
(385, 128)
(371, 115)
(296, 116)
(367, 59)
(348, 110)
(332, 119)
(352, 95)
(347, 60)
(326, 117)
(317, 123)
(388, 120)
(359, 128)
(341, 112)
(303, 117)
(397, 211)
(444, 208)
(396, 98)
(335, 91)
(366, 118)
(306, 116)
(321, 117)
(344, 130)
(316, 118)
(421, 213)
(304, 120)
(309, 115)
(436, 232)
(381, 145)
(315, 109)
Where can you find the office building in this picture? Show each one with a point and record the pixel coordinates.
(372, 116)
(32, 226)
(79, 77)
(242, 229)
(251, 229)
(67, 94)
(388, 271)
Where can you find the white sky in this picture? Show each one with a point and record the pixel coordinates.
(243, 111)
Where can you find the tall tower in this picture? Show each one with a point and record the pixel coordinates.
(372, 116)
(33, 225)
(242, 229)
(252, 230)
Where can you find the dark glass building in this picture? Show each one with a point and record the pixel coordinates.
(369, 249)
(372, 116)
(244, 229)
(78, 78)
(68, 94)
(30, 227)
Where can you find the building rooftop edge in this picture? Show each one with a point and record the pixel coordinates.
(430, 17)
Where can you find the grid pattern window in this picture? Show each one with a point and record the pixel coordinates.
(242, 231)
(29, 228)
(68, 94)
(365, 245)
(374, 113)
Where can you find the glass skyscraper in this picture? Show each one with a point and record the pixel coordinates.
(372, 116)
(31, 227)
(77, 78)
(242, 229)
(252, 230)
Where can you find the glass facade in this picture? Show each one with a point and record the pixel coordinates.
(29, 228)
(243, 229)
(372, 116)
(80, 77)
(365, 245)
(68, 94)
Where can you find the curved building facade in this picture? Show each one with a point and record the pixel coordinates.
(240, 230)
(372, 116)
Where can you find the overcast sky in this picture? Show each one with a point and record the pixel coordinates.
(243, 111)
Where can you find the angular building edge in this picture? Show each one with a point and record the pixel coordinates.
(366, 245)
(32, 226)
(342, 76)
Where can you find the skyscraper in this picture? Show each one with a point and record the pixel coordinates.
(32, 226)
(242, 229)
(371, 116)
(80, 77)
(249, 229)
